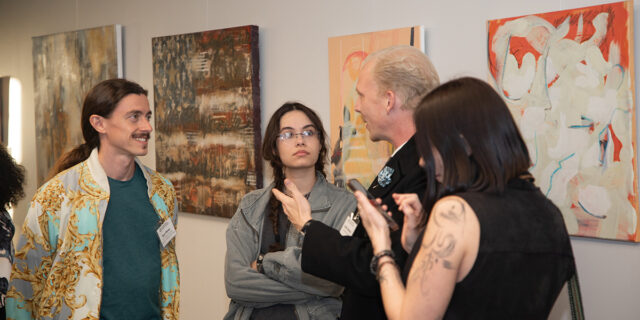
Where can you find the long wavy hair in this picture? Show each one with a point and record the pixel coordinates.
(101, 100)
(270, 153)
(11, 188)
(476, 136)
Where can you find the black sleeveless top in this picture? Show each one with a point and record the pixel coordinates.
(523, 261)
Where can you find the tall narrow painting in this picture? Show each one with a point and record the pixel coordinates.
(207, 113)
(354, 154)
(65, 66)
(568, 77)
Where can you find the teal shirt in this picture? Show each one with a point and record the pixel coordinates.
(131, 253)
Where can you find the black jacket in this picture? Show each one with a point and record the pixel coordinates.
(345, 260)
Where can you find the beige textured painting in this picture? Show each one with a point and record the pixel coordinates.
(65, 66)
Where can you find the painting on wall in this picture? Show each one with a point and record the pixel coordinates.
(354, 155)
(568, 78)
(4, 110)
(207, 114)
(65, 66)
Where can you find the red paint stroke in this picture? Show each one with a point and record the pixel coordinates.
(553, 81)
(519, 46)
(356, 54)
(617, 145)
(618, 30)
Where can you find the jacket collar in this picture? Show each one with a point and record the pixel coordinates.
(100, 176)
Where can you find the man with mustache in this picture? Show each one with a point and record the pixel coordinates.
(391, 83)
(98, 240)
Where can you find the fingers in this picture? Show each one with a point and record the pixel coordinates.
(293, 189)
(279, 195)
(409, 203)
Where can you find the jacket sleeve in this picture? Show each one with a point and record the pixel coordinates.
(245, 285)
(284, 266)
(32, 263)
(345, 259)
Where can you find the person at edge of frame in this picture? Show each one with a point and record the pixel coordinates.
(99, 237)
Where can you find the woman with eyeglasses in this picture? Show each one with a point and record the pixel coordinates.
(263, 277)
(494, 246)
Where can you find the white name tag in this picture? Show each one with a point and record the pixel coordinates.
(166, 232)
(349, 225)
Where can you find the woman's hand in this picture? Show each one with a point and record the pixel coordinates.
(376, 225)
(410, 205)
(296, 206)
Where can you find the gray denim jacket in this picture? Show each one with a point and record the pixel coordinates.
(283, 280)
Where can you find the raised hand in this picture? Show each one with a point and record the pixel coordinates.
(376, 226)
(295, 205)
(410, 205)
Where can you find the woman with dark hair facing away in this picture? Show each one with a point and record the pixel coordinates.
(91, 246)
(11, 191)
(494, 246)
(263, 277)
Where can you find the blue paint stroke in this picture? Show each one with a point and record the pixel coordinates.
(599, 216)
(556, 171)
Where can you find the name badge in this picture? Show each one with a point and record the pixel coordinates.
(166, 232)
(349, 225)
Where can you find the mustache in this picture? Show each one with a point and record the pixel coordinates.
(142, 135)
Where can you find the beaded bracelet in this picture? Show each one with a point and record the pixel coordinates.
(373, 266)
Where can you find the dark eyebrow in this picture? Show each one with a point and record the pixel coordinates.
(138, 112)
(303, 128)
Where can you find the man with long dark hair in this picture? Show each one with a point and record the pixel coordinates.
(98, 237)
(392, 82)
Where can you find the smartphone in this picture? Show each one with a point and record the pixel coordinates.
(355, 185)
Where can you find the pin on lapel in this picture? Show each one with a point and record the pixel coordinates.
(384, 176)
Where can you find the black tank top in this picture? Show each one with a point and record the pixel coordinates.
(524, 257)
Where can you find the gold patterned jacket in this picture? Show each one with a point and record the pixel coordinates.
(57, 271)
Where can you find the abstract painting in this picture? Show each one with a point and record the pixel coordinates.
(354, 154)
(568, 77)
(4, 110)
(207, 114)
(65, 66)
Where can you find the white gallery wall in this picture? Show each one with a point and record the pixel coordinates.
(293, 66)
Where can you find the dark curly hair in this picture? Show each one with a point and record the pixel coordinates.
(11, 188)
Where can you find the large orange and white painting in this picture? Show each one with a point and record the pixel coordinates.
(354, 155)
(568, 77)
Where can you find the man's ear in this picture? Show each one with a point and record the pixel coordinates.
(392, 101)
(97, 122)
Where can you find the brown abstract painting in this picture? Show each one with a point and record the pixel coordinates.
(207, 114)
(65, 66)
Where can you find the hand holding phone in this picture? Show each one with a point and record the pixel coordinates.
(355, 185)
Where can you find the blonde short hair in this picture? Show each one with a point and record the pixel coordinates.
(406, 71)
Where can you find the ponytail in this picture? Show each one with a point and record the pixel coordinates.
(70, 159)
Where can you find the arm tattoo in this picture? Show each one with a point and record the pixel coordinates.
(442, 244)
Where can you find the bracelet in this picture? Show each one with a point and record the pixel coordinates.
(259, 263)
(373, 266)
(303, 230)
(382, 264)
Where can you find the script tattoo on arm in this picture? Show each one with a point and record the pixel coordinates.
(439, 247)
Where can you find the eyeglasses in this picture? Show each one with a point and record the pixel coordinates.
(289, 135)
